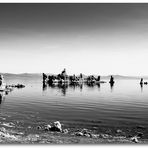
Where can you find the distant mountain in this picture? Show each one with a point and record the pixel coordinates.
(121, 77)
(39, 75)
(23, 75)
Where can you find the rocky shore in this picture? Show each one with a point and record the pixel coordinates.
(55, 133)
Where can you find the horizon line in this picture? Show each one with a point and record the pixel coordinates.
(76, 74)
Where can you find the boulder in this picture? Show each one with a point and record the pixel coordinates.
(57, 126)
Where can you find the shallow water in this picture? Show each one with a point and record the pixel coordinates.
(125, 104)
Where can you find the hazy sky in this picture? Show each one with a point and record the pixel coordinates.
(83, 38)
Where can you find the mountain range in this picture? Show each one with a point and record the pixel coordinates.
(32, 75)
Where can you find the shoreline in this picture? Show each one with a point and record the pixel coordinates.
(10, 135)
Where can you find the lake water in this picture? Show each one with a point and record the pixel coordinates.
(125, 104)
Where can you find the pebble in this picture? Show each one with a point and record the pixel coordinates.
(104, 136)
(94, 136)
(79, 134)
(39, 128)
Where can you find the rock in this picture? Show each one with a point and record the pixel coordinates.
(79, 134)
(20, 133)
(48, 127)
(9, 124)
(39, 127)
(119, 131)
(94, 136)
(57, 126)
(134, 139)
(104, 136)
(65, 131)
(4, 134)
(87, 135)
(19, 86)
(84, 130)
(2, 129)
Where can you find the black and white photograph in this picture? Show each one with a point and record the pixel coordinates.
(73, 73)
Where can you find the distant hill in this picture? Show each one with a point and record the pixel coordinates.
(23, 75)
(39, 75)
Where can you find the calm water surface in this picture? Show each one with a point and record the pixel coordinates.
(125, 104)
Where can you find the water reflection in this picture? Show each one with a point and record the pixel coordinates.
(63, 87)
(44, 87)
(111, 86)
(98, 86)
(141, 86)
(2, 96)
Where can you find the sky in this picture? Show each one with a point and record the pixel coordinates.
(96, 38)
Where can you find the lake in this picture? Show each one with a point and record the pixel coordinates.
(88, 106)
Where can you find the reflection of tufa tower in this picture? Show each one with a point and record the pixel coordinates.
(2, 84)
(1, 80)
